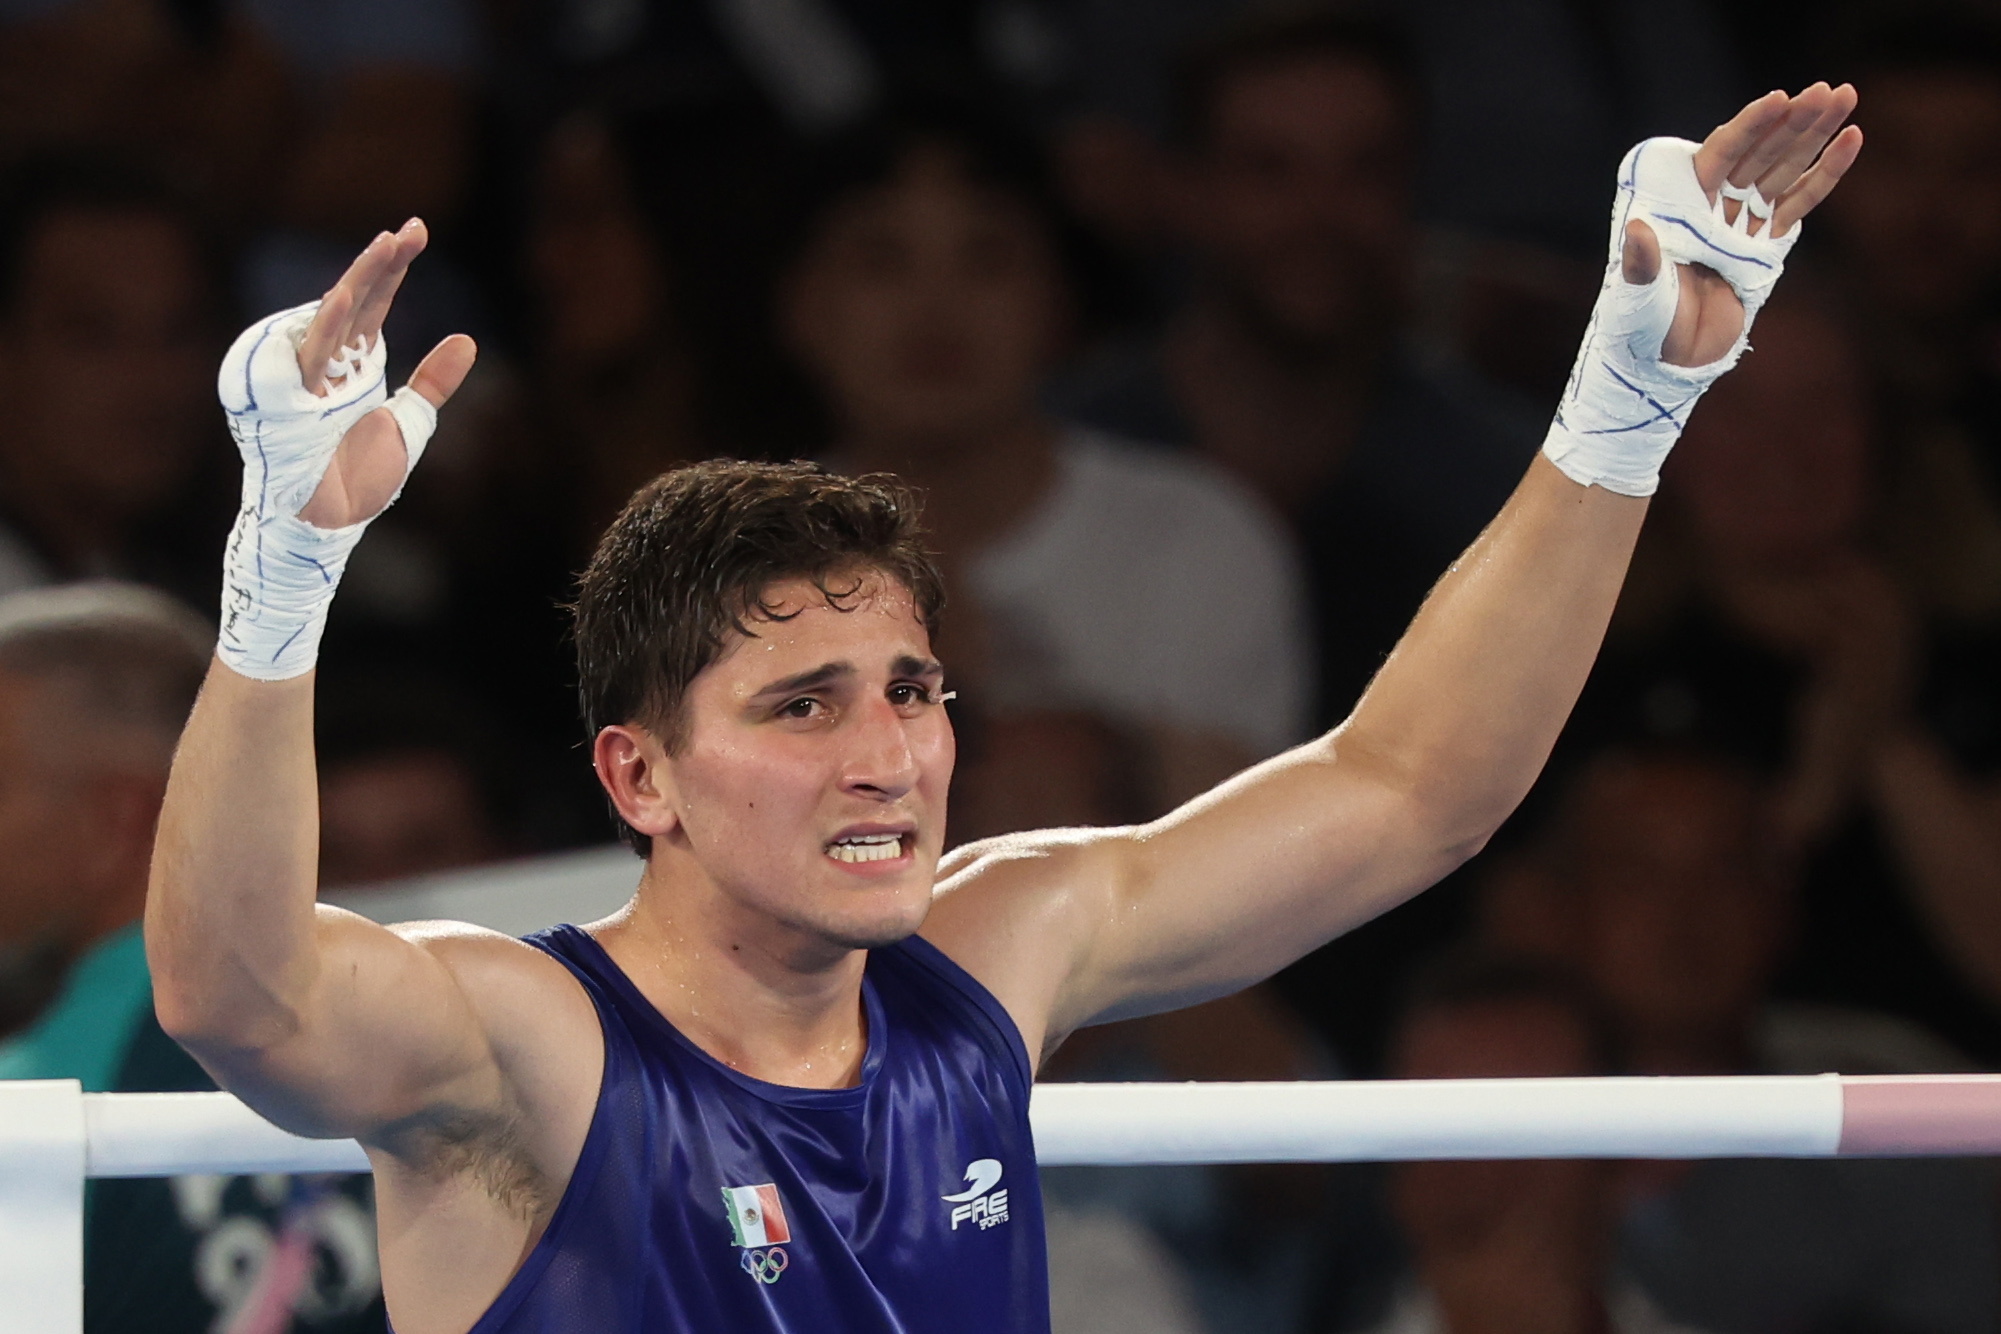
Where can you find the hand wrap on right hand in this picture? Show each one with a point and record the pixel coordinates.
(280, 572)
(1624, 407)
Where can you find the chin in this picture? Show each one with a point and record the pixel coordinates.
(884, 925)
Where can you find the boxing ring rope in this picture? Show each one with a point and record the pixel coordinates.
(54, 1137)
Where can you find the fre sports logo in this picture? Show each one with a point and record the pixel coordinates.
(979, 1203)
(757, 1224)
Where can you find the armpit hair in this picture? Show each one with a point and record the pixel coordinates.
(486, 1147)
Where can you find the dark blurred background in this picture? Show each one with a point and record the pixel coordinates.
(1213, 330)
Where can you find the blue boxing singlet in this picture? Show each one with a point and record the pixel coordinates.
(708, 1202)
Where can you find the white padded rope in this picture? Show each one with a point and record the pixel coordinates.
(1778, 1116)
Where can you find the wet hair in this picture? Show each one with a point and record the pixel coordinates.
(689, 561)
(1472, 977)
(122, 663)
(1263, 41)
(43, 187)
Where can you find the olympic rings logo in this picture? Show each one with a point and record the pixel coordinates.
(765, 1266)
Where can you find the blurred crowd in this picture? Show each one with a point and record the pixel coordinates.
(1213, 330)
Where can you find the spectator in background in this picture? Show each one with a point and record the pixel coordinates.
(95, 683)
(1508, 1247)
(381, 129)
(1290, 367)
(196, 90)
(107, 340)
(927, 301)
(1763, 618)
(612, 376)
(1679, 898)
(1920, 250)
(412, 780)
(1299, 139)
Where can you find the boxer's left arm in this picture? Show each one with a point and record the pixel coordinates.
(1074, 927)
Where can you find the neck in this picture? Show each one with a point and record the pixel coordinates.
(762, 997)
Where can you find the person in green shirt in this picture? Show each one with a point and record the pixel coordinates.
(96, 681)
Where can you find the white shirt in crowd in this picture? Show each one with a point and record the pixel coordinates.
(1150, 587)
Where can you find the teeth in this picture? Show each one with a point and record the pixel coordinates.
(867, 848)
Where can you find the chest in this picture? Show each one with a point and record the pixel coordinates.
(916, 1192)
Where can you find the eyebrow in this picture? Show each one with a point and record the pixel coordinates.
(825, 674)
(829, 672)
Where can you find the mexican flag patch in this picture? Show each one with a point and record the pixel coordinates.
(756, 1216)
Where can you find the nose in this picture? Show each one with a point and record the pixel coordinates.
(881, 764)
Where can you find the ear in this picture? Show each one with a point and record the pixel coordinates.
(632, 766)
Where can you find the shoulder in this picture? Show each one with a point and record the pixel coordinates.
(534, 1015)
(1019, 914)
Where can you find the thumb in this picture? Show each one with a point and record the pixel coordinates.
(1639, 258)
(439, 375)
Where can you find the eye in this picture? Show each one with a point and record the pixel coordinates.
(911, 694)
(803, 707)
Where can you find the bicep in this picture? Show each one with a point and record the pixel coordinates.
(1249, 877)
(384, 1032)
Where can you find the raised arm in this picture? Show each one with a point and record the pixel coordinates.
(1458, 723)
(324, 1021)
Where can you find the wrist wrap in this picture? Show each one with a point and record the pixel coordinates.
(1624, 407)
(280, 572)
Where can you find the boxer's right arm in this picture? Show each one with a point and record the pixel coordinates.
(325, 1022)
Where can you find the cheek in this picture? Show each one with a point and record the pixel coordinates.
(747, 800)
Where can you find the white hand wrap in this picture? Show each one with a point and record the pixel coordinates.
(280, 572)
(1624, 407)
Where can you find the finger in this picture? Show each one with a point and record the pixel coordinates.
(1731, 140)
(1786, 172)
(1802, 114)
(323, 335)
(373, 307)
(1640, 256)
(439, 375)
(330, 329)
(1819, 182)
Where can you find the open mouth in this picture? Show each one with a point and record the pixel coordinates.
(858, 848)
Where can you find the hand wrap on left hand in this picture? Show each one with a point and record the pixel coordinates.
(1624, 407)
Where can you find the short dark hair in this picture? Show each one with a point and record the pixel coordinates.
(128, 659)
(41, 187)
(1266, 40)
(688, 562)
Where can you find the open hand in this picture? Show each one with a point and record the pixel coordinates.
(371, 462)
(1790, 149)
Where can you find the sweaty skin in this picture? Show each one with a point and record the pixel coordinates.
(468, 1064)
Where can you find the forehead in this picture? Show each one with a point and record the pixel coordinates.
(867, 619)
